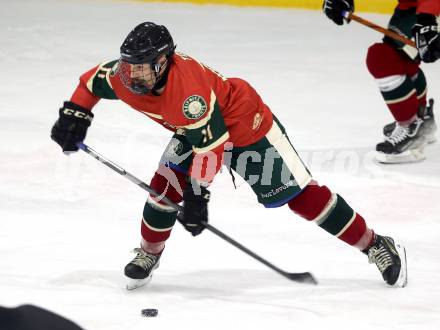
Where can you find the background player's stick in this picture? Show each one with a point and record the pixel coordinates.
(350, 16)
(297, 277)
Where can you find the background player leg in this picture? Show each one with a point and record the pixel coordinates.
(403, 87)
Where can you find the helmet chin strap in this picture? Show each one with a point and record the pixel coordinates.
(158, 67)
(160, 79)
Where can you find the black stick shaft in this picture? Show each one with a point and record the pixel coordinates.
(297, 277)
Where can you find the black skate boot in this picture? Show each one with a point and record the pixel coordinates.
(405, 144)
(140, 270)
(427, 115)
(390, 258)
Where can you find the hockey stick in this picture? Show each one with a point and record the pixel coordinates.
(297, 277)
(350, 16)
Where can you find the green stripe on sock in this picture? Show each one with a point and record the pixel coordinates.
(403, 90)
(338, 217)
(159, 219)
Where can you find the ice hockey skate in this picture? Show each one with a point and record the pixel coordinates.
(405, 144)
(140, 270)
(427, 115)
(390, 259)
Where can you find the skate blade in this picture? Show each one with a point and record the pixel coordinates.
(402, 280)
(431, 139)
(409, 156)
(430, 133)
(133, 284)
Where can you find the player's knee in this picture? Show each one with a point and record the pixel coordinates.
(158, 218)
(168, 182)
(156, 223)
(312, 201)
(383, 61)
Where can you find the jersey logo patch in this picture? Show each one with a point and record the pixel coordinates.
(194, 107)
(174, 149)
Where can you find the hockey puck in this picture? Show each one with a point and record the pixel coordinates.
(149, 312)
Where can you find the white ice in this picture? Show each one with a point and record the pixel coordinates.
(67, 224)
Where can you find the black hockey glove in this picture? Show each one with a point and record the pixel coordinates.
(195, 208)
(427, 37)
(71, 127)
(335, 8)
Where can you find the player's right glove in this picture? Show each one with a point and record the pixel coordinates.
(427, 37)
(334, 9)
(71, 127)
(195, 208)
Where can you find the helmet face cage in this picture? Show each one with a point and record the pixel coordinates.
(140, 78)
(141, 64)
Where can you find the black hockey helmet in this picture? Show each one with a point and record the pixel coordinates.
(142, 50)
(146, 42)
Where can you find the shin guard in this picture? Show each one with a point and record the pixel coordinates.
(420, 85)
(331, 213)
(158, 218)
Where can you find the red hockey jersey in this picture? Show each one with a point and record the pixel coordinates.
(197, 101)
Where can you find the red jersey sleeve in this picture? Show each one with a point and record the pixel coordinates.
(94, 85)
(82, 95)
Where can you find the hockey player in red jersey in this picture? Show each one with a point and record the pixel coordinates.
(401, 81)
(215, 120)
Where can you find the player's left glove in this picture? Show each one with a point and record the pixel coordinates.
(195, 208)
(335, 8)
(427, 37)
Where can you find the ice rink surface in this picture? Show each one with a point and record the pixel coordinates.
(68, 224)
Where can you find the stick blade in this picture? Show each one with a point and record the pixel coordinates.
(306, 277)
